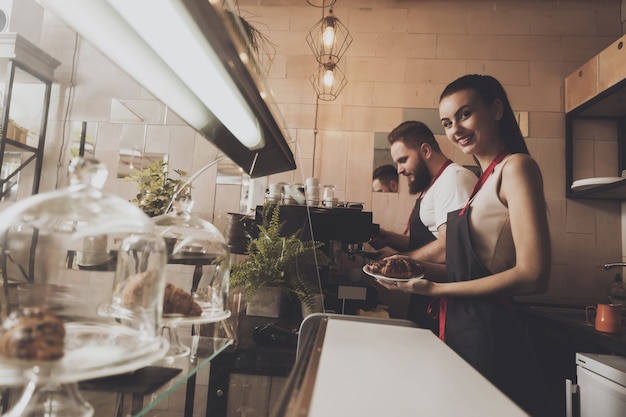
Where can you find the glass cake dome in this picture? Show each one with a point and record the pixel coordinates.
(82, 284)
(198, 260)
(197, 274)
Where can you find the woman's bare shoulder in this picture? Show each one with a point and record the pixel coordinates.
(520, 162)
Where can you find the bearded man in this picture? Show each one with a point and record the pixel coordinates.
(441, 186)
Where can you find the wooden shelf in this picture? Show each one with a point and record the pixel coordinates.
(597, 91)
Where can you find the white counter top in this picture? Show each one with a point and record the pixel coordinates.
(370, 369)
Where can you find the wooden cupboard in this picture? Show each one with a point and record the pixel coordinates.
(595, 106)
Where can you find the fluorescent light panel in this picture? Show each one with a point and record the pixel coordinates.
(158, 44)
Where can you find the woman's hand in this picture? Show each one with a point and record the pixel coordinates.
(414, 285)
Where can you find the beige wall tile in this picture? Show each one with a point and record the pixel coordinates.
(405, 95)
(392, 45)
(507, 72)
(550, 155)
(545, 97)
(384, 209)
(434, 70)
(579, 220)
(566, 22)
(370, 119)
(500, 21)
(375, 69)
(378, 19)
(529, 47)
(583, 151)
(605, 159)
(558, 236)
(365, 45)
(467, 46)
(547, 125)
(578, 48)
(333, 152)
(359, 182)
(436, 20)
(608, 215)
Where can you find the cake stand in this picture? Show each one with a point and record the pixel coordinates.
(92, 350)
(170, 326)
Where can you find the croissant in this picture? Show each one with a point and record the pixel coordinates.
(178, 301)
(396, 268)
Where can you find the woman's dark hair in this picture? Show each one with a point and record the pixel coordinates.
(413, 133)
(488, 89)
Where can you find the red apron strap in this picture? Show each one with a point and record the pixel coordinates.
(439, 313)
(484, 177)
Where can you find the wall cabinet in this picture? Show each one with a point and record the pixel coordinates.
(28, 73)
(595, 106)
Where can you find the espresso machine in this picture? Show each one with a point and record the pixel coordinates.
(343, 231)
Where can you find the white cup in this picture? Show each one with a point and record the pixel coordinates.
(329, 192)
(331, 202)
(275, 188)
(312, 192)
(312, 182)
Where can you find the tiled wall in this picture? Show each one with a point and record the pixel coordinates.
(403, 54)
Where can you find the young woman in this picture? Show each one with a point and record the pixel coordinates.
(498, 245)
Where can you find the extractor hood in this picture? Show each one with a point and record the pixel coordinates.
(188, 55)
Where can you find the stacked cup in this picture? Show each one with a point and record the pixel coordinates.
(312, 192)
(330, 200)
(275, 192)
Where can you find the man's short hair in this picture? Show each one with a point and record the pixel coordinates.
(385, 173)
(413, 133)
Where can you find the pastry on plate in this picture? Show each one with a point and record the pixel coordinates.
(401, 268)
(32, 334)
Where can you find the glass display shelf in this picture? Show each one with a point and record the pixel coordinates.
(172, 372)
(203, 351)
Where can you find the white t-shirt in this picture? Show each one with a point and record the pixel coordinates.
(448, 193)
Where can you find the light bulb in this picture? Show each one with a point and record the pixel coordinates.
(328, 37)
(329, 77)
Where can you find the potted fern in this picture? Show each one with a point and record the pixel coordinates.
(156, 189)
(283, 263)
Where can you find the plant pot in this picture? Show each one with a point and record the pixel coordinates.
(267, 302)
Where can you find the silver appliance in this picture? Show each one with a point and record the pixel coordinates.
(600, 386)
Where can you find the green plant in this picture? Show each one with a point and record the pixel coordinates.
(286, 262)
(156, 189)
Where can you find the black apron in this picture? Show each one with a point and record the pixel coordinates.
(419, 236)
(485, 331)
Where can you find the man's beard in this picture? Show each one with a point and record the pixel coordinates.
(421, 178)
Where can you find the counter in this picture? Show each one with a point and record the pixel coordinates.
(355, 366)
(559, 331)
(572, 320)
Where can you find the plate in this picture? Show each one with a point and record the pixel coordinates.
(388, 279)
(92, 350)
(205, 318)
(590, 182)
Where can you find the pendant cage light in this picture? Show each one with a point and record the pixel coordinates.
(321, 3)
(329, 39)
(328, 81)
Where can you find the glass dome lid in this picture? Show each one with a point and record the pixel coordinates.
(198, 260)
(70, 251)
